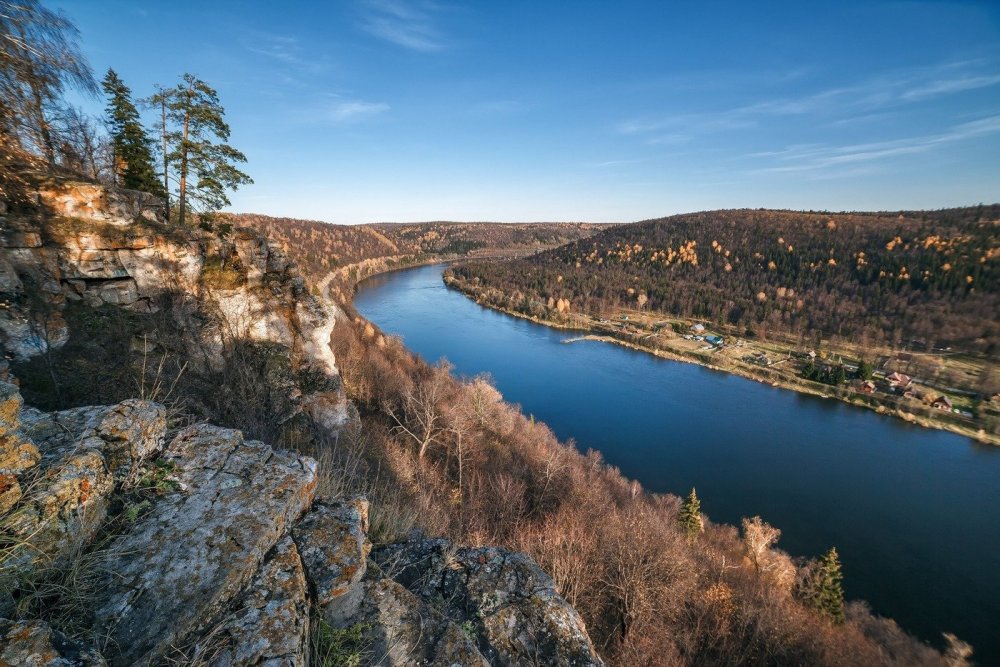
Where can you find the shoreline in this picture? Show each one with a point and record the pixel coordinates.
(775, 379)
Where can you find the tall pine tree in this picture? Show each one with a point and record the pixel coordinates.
(690, 516)
(824, 589)
(133, 155)
(205, 165)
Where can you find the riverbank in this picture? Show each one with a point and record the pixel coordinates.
(664, 344)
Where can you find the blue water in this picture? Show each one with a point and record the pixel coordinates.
(914, 513)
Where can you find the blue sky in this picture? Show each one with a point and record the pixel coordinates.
(372, 110)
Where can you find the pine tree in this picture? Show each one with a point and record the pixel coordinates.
(204, 163)
(133, 156)
(824, 589)
(690, 516)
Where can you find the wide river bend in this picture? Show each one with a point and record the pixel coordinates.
(914, 513)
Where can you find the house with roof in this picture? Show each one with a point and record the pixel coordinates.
(714, 340)
(898, 380)
(942, 403)
(866, 387)
(698, 328)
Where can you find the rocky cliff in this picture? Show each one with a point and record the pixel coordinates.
(129, 537)
(202, 547)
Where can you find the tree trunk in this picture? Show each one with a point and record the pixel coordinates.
(163, 138)
(182, 192)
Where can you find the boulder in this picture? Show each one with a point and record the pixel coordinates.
(17, 453)
(269, 624)
(80, 454)
(35, 644)
(171, 575)
(401, 630)
(333, 541)
(511, 602)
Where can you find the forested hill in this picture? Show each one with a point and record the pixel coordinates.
(923, 278)
(320, 247)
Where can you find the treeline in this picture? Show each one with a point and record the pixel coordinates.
(922, 279)
(319, 247)
(656, 582)
(42, 135)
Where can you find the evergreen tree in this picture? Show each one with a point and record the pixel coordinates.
(690, 516)
(205, 165)
(865, 370)
(824, 589)
(133, 156)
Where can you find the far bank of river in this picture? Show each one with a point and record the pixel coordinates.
(915, 513)
(914, 411)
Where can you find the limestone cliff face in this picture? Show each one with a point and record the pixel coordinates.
(125, 540)
(96, 245)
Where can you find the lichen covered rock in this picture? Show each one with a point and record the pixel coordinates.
(269, 624)
(403, 630)
(333, 541)
(76, 457)
(179, 566)
(35, 644)
(511, 602)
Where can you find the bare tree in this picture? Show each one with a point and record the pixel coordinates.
(418, 414)
(758, 537)
(39, 59)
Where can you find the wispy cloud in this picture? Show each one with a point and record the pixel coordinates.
(353, 111)
(946, 86)
(812, 157)
(836, 105)
(405, 23)
(289, 60)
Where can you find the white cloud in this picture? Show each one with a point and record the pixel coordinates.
(811, 158)
(403, 23)
(355, 111)
(844, 103)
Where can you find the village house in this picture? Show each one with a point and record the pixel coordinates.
(698, 328)
(898, 380)
(942, 403)
(866, 387)
(714, 340)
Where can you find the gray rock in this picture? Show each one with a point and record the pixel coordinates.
(80, 453)
(35, 644)
(511, 602)
(333, 541)
(403, 630)
(269, 625)
(168, 578)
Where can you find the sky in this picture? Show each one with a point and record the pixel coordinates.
(355, 111)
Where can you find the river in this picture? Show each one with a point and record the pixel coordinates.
(914, 513)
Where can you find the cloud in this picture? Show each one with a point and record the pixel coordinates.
(403, 23)
(947, 86)
(812, 157)
(846, 103)
(355, 111)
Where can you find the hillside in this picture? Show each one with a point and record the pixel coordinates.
(319, 247)
(917, 279)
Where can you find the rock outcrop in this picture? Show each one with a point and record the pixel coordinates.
(501, 597)
(98, 245)
(226, 557)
